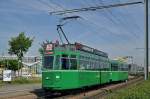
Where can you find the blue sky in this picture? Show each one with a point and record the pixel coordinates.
(117, 31)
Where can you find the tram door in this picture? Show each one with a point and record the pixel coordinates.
(65, 62)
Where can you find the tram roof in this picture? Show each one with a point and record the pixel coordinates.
(80, 47)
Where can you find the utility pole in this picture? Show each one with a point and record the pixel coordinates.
(146, 40)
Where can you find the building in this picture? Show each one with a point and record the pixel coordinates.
(31, 64)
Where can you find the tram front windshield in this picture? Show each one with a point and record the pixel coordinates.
(48, 62)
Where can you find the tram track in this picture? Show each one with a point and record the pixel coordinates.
(80, 94)
(99, 92)
(113, 88)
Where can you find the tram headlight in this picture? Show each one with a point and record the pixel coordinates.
(57, 77)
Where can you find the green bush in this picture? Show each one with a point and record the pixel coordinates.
(20, 80)
(23, 80)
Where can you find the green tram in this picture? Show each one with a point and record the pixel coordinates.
(73, 66)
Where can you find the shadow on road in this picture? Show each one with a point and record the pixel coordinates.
(41, 94)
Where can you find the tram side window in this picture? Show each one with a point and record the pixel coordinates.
(121, 67)
(124, 67)
(57, 62)
(48, 62)
(87, 65)
(114, 67)
(83, 62)
(86, 61)
(102, 65)
(65, 62)
(106, 65)
(73, 62)
(91, 63)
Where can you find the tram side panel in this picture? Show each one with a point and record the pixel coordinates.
(105, 75)
(60, 80)
(118, 75)
(88, 78)
(119, 71)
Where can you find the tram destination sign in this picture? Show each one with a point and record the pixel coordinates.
(100, 53)
(49, 48)
(83, 47)
(89, 49)
(86, 48)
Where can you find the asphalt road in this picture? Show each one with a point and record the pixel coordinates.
(12, 90)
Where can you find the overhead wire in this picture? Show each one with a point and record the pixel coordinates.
(47, 4)
(107, 31)
(63, 8)
(112, 21)
(51, 7)
(98, 33)
(134, 23)
(137, 27)
(60, 6)
(131, 18)
(123, 23)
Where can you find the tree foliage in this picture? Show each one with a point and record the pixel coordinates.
(10, 64)
(2, 64)
(19, 45)
(13, 65)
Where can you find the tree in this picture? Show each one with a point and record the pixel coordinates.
(2, 64)
(10, 64)
(13, 65)
(19, 46)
